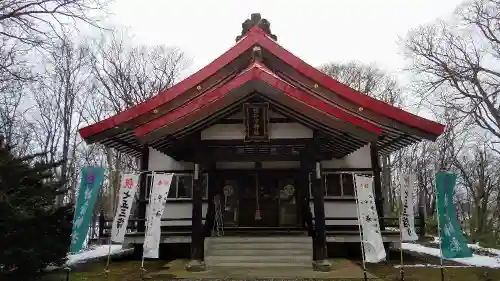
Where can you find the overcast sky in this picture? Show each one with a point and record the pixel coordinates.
(317, 31)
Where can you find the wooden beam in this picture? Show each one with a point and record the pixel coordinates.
(144, 166)
(377, 183)
(197, 234)
(271, 120)
(240, 142)
(318, 186)
(207, 156)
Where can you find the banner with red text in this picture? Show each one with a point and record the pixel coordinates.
(157, 202)
(128, 189)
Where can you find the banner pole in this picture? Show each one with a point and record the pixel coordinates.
(147, 223)
(115, 207)
(360, 230)
(439, 230)
(401, 206)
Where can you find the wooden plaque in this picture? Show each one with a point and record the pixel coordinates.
(256, 122)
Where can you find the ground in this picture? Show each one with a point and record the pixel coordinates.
(422, 266)
(126, 270)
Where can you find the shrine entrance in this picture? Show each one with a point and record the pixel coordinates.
(260, 198)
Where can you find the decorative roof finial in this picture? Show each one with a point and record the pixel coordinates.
(256, 19)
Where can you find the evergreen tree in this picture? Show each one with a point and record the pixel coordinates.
(33, 232)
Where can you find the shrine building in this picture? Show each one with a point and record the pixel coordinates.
(262, 145)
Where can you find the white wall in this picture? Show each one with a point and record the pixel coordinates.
(358, 159)
(237, 131)
(339, 209)
(159, 161)
(178, 210)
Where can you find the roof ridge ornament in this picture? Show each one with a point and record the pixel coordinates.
(256, 20)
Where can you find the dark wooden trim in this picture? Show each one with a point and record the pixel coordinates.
(271, 120)
(240, 142)
(392, 142)
(377, 183)
(347, 170)
(178, 201)
(189, 171)
(141, 210)
(339, 199)
(251, 157)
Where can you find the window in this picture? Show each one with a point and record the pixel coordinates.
(337, 184)
(333, 186)
(182, 186)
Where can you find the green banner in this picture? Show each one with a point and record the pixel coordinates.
(453, 242)
(89, 189)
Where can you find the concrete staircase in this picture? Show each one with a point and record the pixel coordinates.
(250, 251)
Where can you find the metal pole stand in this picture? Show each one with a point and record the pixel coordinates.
(143, 273)
(68, 272)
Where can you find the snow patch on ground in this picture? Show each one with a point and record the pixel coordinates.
(95, 252)
(473, 246)
(475, 260)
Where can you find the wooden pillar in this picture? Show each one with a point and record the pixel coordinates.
(196, 263)
(320, 263)
(211, 192)
(142, 203)
(377, 183)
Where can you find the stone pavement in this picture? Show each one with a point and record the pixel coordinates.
(342, 269)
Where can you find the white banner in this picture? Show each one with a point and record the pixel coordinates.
(372, 238)
(128, 188)
(157, 202)
(407, 220)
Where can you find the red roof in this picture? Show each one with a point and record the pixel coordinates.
(258, 37)
(255, 72)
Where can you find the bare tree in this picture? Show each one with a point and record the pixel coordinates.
(374, 82)
(367, 79)
(35, 21)
(59, 97)
(479, 176)
(123, 76)
(457, 63)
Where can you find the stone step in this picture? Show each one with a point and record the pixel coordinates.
(284, 239)
(264, 259)
(261, 252)
(232, 246)
(295, 265)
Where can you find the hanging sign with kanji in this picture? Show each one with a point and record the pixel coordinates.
(128, 189)
(89, 189)
(256, 122)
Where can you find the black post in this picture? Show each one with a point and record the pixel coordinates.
(211, 192)
(320, 263)
(102, 223)
(377, 183)
(196, 263)
(141, 206)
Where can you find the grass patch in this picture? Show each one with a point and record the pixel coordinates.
(119, 271)
(387, 272)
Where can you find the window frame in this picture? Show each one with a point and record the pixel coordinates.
(323, 177)
(149, 186)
